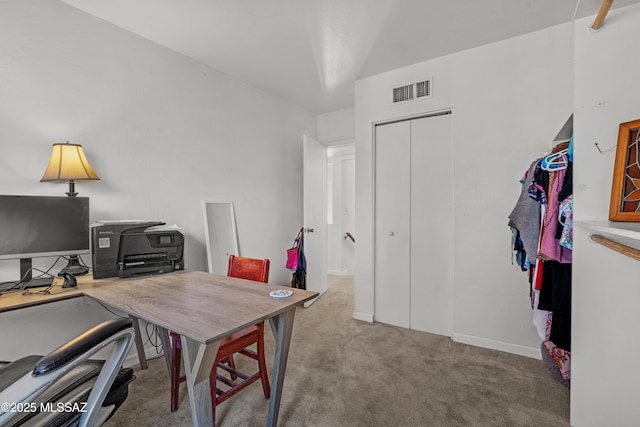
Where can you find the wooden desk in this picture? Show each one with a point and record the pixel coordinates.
(16, 300)
(204, 308)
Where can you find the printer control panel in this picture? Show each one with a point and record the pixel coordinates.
(160, 240)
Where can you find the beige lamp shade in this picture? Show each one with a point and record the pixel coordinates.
(68, 164)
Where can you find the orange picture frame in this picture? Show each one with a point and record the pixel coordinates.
(625, 185)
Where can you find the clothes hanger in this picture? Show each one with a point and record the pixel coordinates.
(556, 161)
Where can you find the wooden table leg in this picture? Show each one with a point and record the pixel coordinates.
(284, 325)
(142, 358)
(198, 361)
(166, 347)
(273, 322)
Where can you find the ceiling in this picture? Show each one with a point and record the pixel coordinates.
(312, 51)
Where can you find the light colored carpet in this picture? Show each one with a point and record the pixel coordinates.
(343, 372)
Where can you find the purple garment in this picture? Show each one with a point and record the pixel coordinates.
(549, 245)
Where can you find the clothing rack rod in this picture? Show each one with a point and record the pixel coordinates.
(602, 14)
(618, 247)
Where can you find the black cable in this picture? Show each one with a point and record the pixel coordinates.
(43, 274)
(16, 284)
(111, 311)
(22, 281)
(153, 337)
(46, 291)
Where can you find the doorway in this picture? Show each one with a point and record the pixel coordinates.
(329, 211)
(341, 209)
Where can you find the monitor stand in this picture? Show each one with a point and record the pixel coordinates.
(74, 267)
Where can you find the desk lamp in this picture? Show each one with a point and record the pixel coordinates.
(69, 164)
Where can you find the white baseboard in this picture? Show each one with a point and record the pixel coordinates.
(363, 316)
(521, 350)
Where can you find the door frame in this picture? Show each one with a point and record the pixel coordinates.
(341, 158)
(307, 141)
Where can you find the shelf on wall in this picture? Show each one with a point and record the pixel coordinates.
(629, 230)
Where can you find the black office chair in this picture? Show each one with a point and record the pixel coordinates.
(64, 388)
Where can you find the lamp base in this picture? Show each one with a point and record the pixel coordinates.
(72, 189)
(74, 267)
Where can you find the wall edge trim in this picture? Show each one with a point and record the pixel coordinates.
(521, 350)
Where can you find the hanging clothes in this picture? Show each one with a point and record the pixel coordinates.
(543, 221)
(565, 218)
(550, 247)
(555, 297)
(299, 279)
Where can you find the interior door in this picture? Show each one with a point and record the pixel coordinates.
(432, 225)
(392, 219)
(315, 214)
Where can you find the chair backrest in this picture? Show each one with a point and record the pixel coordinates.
(248, 268)
(43, 380)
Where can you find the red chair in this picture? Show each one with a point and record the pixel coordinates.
(244, 268)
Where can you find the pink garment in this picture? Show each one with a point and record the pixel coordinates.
(550, 246)
(562, 358)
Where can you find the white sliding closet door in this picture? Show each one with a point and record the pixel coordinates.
(431, 305)
(414, 224)
(392, 231)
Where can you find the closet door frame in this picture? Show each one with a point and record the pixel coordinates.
(374, 202)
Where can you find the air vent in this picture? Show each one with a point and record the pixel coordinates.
(403, 93)
(423, 89)
(412, 92)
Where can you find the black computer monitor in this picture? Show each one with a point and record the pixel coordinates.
(42, 226)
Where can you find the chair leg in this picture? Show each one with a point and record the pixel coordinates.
(175, 374)
(213, 386)
(232, 365)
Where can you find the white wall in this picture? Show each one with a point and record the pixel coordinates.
(605, 383)
(509, 99)
(336, 127)
(162, 131)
